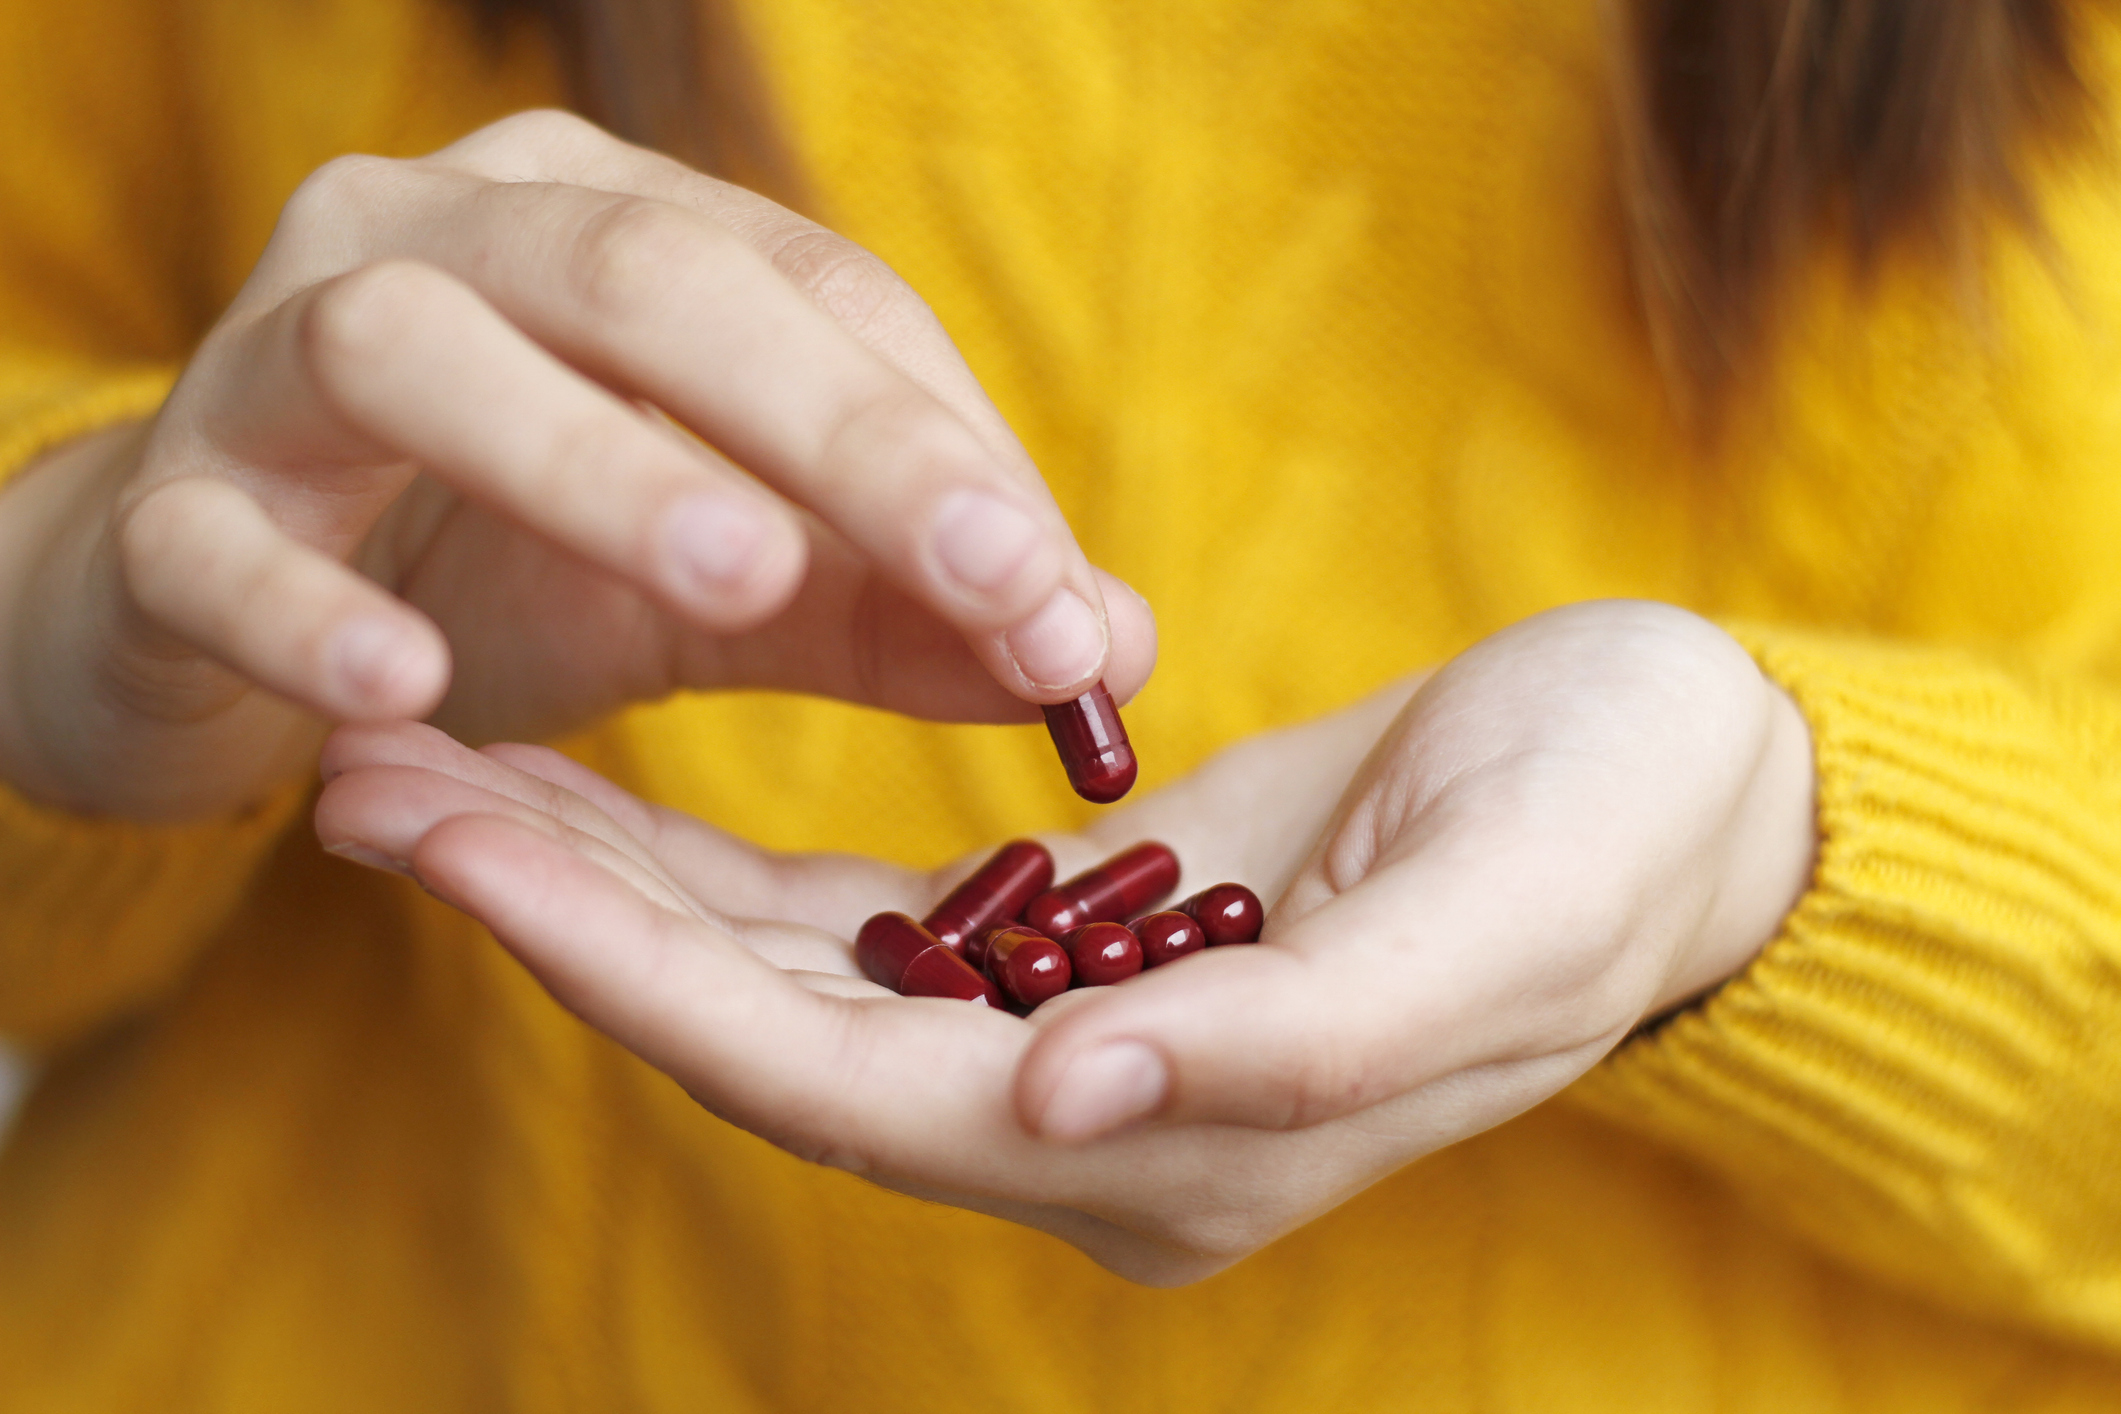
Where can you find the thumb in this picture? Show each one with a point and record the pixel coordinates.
(1418, 972)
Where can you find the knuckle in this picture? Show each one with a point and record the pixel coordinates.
(1328, 1076)
(542, 130)
(1318, 1059)
(625, 256)
(1215, 1228)
(578, 452)
(861, 292)
(1322, 1088)
(510, 147)
(344, 184)
(908, 435)
(159, 523)
(357, 316)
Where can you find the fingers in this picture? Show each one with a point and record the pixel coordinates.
(376, 812)
(667, 305)
(905, 1085)
(1420, 972)
(633, 814)
(206, 563)
(853, 635)
(391, 824)
(713, 870)
(863, 294)
(506, 346)
(416, 363)
(834, 892)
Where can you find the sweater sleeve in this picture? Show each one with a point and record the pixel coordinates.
(150, 145)
(100, 915)
(1922, 1074)
(102, 234)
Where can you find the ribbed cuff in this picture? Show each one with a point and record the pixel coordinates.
(42, 408)
(101, 915)
(1924, 1070)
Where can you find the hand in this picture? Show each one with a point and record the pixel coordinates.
(418, 467)
(1577, 824)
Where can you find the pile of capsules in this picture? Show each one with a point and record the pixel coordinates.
(1007, 937)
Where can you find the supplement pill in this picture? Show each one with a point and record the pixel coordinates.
(980, 947)
(1124, 884)
(940, 972)
(900, 954)
(1104, 953)
(1227, 913)
(1093, 745)
(1166, 937)
(996, 893)
(1029, 967)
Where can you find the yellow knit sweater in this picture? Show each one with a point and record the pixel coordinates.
(1313, 315)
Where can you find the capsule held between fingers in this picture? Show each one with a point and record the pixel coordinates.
(1029, 967)
(1227, 913)
(1093, 745)
(1103, 953)
(995, 893)
(900, 954)
(1125, 884)
(1168, 936)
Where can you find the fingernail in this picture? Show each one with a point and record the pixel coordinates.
(373, 859)
(373, 659)
(981, 540)
(714, 540)
(1060, 645)
(1103, 1089)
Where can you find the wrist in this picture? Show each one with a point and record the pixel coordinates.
(1768, 859)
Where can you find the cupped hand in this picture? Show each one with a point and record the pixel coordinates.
(1579, 823)
(516, 433)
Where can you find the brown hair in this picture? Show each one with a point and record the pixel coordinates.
(1753, 133)
(1759, 134)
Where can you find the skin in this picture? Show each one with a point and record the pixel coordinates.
(1482, 881)
(510, 436)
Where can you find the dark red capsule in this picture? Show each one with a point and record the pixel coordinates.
(902, 955)
(1103, 953)
(1166, 937)
(1093, 745)
(980, 946)
(1029, 967)
(940, 972)
(1125, 884)
(1227, 913)
(996, 893)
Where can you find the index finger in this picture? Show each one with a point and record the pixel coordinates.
(859, 290)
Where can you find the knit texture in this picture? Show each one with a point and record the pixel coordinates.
(1316, 319)
(133, 902)
(1922, 1074)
